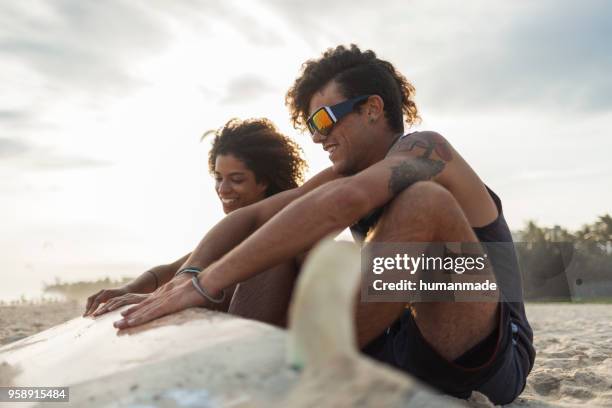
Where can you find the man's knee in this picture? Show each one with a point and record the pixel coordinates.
(425, 196)
(423, 205)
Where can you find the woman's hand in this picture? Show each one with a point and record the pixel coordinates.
(176, 295)
(147, 282)
(127, 299)
(103, 296)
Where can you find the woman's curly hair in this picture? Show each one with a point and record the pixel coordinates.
(273, 157)
(357, 73)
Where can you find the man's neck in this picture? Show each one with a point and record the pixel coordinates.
(380, 150)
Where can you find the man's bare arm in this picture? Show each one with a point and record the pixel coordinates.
(240, 224)
(329, 208)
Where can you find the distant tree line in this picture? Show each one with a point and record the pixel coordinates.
(557, 264)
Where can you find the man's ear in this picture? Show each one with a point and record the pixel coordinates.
(374, 108)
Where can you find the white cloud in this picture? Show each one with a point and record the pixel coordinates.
(114, 96)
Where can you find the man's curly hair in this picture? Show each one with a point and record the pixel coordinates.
(357, 73)
(273, 157)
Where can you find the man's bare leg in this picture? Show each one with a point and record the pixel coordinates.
(426, 212)
(266, 296)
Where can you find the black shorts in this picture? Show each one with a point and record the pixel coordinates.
(497, 366)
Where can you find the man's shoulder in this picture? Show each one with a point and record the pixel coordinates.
(424, 143)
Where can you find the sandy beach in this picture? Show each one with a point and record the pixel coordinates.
(574, 344)
(24, 319)
(574, 361)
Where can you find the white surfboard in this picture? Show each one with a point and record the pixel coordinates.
(199, 358)
(195, 358)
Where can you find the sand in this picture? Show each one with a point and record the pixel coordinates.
(574, 344)
(21, 320)
(574, 356)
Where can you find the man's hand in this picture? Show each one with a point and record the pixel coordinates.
(117, 302)
(176, 295)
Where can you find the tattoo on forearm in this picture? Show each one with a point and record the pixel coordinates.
(412, 170)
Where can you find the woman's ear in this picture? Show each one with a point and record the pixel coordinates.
(262, 187)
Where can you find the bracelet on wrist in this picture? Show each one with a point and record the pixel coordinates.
(204, 293)
(156, 279)
(191, 269)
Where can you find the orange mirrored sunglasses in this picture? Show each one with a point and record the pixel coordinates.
(322, 121)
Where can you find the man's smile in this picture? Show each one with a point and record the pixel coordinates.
(330, 148)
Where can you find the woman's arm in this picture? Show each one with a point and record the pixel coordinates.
(165, 273)
(147, 282)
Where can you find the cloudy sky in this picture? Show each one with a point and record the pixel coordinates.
(102, 105)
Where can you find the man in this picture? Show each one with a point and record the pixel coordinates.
(389, 188)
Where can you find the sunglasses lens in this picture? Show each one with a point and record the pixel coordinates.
(321, 122)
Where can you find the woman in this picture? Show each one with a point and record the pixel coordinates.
(250, 160)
